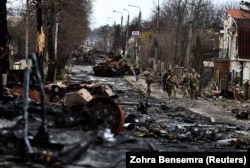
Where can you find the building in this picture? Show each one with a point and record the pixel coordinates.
(233, 65)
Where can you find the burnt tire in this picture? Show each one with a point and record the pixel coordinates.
(108, 112)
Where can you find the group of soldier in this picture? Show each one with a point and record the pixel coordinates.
(189, 84)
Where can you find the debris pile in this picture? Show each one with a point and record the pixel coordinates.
(38, 122)
(113, 66)
(181, 126)
(32, 127)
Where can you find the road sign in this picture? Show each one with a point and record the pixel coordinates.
(135, 33)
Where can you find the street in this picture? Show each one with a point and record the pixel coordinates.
(151, 124)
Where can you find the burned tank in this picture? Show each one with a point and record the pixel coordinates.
(112, 66)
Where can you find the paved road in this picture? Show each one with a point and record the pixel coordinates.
(217, 110)
(100, 151)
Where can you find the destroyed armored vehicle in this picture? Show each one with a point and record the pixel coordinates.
(72, 100)
(114, 66)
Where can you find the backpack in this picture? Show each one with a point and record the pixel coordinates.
(149, 79)
(194, 78)
(186, 78)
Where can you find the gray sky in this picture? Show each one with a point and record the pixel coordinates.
(104, 9)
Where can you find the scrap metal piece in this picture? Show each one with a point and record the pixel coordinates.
(34, 94)
(108, 91)
(80, 97)
(56, 91)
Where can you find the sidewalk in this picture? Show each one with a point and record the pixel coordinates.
(156, 88)
(216, 110)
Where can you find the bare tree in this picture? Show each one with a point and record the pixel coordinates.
(4, 41)
(174, 21)
(173, 29)
(72, 19)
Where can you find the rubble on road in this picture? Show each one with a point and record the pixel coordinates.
(111, 117)
(218, 110)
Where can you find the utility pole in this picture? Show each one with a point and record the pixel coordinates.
(55, 49)
(113, 43)
(139, 17)
(156, 39)
(139, 21)
(136, 45)
(120, 28)
(27, 32)
(27, 70)
(187, 62)
(127, 30)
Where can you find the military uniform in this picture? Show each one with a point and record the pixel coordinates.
(185, 82)
(165, 81)
(194, 84)
(149, 80)
(172, 80)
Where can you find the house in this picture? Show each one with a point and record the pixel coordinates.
(233, 65)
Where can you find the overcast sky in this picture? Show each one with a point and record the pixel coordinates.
(104, 9)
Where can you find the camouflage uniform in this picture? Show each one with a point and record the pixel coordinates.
(165, 81)
(185, 81)
(172, 80)
(149, 80)
(194, 84)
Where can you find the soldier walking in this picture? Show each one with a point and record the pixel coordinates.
(172, 80)
(165, 81)
(194, 84)
(137, 73)
(149, 80)
(185, 82)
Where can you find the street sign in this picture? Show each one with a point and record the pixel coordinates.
(135, 33)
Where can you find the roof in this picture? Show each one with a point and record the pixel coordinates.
(238, 13)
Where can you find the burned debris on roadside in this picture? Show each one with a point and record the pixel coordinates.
(74, 121)
(28, 120)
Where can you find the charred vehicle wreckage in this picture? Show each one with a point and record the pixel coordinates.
(106, 64)
(112, 66)
(36, 128)
(81, 123)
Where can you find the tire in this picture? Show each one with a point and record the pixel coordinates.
(108, 111)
